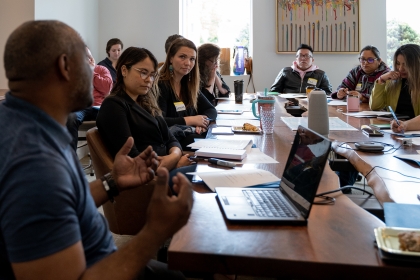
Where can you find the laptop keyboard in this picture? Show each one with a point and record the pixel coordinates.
(267, 203)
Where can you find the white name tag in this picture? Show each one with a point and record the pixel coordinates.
(179, 106)
(359, 87)
(312, 81)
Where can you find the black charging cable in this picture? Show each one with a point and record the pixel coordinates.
(344, 188)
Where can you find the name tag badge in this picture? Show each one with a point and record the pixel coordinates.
(179, 106)
(312, 81)
(359, 87)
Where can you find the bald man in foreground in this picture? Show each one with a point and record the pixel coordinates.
(49, 224)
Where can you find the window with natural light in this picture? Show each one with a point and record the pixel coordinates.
(225, 23)
(403, 25)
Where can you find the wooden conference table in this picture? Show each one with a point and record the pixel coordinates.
(338, 241)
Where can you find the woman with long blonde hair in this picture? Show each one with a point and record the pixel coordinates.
(400, 88)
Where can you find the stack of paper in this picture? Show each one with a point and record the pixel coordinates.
(234, 149)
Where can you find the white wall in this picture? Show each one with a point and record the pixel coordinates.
(148, 23)
(145, 23)
(82, 15)
(267, 63)
(12, 14)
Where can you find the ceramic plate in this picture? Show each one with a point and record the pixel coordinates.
(238, 129)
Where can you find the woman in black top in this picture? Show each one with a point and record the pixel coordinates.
(114, 48)
(211, 82)
(180, 100)
(132, 110)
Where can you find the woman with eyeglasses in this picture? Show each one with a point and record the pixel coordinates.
(132, 110)
(400, 88)
(211, 82)
(360, 80)
(186, 111)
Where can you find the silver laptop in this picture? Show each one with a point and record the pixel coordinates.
(292, 200)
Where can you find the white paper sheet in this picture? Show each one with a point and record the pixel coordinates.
(256, 156)
(335, 102)
(236, 122)
(237, 178)
(244, 116)
(292, 95)
(366, 114)
(335, 123)
(244, 107)
(233, 144)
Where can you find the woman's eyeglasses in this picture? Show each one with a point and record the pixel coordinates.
(144, 74)
(368, 60)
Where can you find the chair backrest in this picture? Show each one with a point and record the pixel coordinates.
(101, 158)
(128, 214)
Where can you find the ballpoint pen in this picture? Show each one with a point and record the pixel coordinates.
(215, 161)
(221, 162)
(395, 117)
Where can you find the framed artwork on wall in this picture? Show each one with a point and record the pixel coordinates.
(328, 26)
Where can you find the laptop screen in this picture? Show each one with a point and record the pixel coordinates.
(304, 168)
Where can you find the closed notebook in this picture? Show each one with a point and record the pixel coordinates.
(402, 215)
(222, 130)
(221, 153)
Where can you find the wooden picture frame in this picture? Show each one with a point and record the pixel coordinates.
(328, 26)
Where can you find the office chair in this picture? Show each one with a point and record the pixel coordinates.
(82, 147)
(127, 215)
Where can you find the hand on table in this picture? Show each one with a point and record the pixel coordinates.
(198, 120)
(398, 128)
(342, 93)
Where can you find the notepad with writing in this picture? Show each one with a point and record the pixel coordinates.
(221, 153)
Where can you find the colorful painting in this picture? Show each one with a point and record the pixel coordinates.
(329, 26)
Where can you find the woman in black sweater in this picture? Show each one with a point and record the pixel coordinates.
(180, 100)
(132, 110)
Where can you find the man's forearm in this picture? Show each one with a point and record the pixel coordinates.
(127, 262)
(98, 192)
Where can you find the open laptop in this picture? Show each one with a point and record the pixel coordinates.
(292, 200)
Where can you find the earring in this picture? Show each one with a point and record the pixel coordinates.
(189, 77)
(171, 70)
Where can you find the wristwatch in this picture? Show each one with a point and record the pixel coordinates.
(110, 186)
